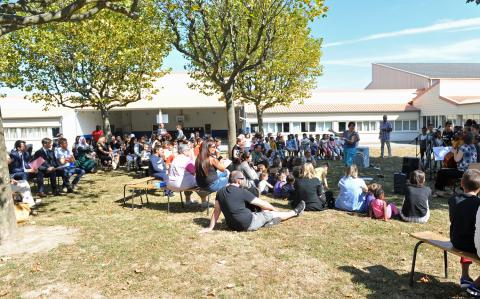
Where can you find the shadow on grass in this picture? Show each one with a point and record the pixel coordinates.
(386, 283)
(205, 222)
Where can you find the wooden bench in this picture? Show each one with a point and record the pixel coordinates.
(440, 242)
(138, 184)
(196, 189)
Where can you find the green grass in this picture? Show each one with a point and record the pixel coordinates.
(148, 253)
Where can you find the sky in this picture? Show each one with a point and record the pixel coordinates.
(357, 33)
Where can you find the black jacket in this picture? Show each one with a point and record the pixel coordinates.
(48, 156)
(16, 166)
(310, 191)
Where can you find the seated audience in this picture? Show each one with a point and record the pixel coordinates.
(19, 167)
(308, 158)
(263, 185)
(210, 173)
(322, 173)
(257, 155)
(464, 156)
(281, 181)
(49, 168)
(23, 188)
(85, 156)
(104, 152)
(66, 160)
(237, 151)
(308, 188)
(97, 133)
(352, 192)
(246, 167)
(415, 205)
(157, 166)
(181, 174)
(463, 209)
(289, 187)
(380, 209)
(232, 201)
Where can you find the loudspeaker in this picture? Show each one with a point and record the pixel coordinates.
(399, 183)
(410, 164)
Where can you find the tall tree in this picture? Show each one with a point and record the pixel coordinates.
(15, 15)
(476, 1)
(225, 38)
(73, 65)
(289, 73)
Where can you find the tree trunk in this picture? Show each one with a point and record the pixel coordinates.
(259, 119)
(232, 128)
(8, 222)
(106, 123)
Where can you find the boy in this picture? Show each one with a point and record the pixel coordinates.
(462, 210)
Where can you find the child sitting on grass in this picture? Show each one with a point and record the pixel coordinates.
(263, 185)
(372, 188)
(379, 209)
(261, 169)
(463, 213)
(281, 180)
(288, 188)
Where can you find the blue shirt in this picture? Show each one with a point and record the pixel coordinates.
(385, 129)
(351, 197)
(348, 136)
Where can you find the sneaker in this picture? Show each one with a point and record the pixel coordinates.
(273, 222)
(299, 208)
(191, 202)
(473, 291)
(465, 282)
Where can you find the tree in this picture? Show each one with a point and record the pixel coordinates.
(225, 38)
(15, 15)
(476, 1)
(290, 71)
(72, 65)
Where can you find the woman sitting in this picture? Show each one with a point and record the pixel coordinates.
(246, 167)
(464, 156)
(309, 189)
(104, 152)
(415, 205)
(181, 175)
(85, 156)
(352, 192)
(210, 173)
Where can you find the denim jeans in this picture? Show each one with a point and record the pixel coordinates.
(220, 182)
(348, 154)
(75, 171)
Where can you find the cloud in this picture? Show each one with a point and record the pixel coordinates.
(463, 51)
(445, 25)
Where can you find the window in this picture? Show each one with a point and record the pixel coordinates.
(286, 127)
(312, 127)
(406, 125)
(27, 133)
(11, 133)
(360, 126)
(373, 126)
(279, 127)
(413, 125)
(398, 125)
(327, 126)
(296, 127)
(304, 127)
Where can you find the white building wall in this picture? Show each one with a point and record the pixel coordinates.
(463, 87)
(431, 104)
(388, 78)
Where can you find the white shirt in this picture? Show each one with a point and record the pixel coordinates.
(61, 153)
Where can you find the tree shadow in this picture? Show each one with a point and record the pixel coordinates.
(386, 283)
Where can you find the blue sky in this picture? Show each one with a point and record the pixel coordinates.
(357, 33)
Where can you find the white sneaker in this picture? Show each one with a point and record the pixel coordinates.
(191, 202)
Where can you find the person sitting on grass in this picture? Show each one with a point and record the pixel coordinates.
(263, 185)
(289, 187)
(463, 209)
(415, 205)
(379, 209)
(232, 201)
(352, 193)
(309, 189)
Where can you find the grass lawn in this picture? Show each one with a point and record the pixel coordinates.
(146, 253)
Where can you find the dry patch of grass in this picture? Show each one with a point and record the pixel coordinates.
(148, 253)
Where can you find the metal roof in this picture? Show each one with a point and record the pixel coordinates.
(439, 70)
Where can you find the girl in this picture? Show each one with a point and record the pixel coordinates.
(415, 205)
(380, 209)
(288, 188)
(264, 186)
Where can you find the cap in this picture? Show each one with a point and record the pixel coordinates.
(132, 135)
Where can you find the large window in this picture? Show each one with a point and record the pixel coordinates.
(27, 133)
(405, 125)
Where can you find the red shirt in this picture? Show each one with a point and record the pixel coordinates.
(97, 134)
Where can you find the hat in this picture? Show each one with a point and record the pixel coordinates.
(132, 135)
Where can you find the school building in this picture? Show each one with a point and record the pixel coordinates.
(411, 94)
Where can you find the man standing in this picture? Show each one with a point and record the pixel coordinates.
(385, 129)
(232, 201)
(66, 161)
(448, 133)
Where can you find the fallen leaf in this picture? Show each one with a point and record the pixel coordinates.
(183, 263)
(4, 292)
(5, 258)
(230, 286)
(211, 293)
(222, 262)
(138, 271)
